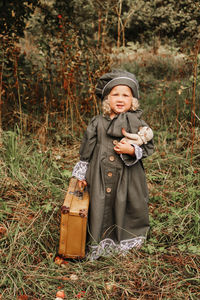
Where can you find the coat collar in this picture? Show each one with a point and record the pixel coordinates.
(121, 121)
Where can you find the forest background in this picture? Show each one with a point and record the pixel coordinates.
(51, 55)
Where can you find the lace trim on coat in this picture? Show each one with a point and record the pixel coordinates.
(108, 247)
(138, 154)
(80, 170)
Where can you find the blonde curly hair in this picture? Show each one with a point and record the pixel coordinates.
(106, 106)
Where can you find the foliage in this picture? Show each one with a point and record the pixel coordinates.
(46, 76)
(33, 184)
(14, 15)
(162, 63)
(178, 20)
(47, 83)
(143, 20)
(49, 77)
(89, 17)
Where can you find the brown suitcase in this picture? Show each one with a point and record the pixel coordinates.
(73, 225)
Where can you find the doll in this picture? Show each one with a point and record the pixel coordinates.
(144, 135)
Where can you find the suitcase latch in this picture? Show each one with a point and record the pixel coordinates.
(77, 194)
(83, 213)
(65, 209)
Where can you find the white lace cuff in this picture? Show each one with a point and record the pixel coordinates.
(138, 151)
(138, 155)
(108, 247)
(80, 170)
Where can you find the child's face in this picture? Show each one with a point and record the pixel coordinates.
(120, 99)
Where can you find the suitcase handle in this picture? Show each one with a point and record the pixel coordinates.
(79, 193)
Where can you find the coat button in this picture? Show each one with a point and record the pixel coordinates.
(112, 158)
(109, 174)
(115, 142)
(108, 190)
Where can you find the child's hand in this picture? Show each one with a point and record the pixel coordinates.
(124, 148)
(82, 184)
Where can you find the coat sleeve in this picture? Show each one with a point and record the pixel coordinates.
(89, 140)
(86, 150)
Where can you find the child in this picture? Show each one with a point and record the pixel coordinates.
(113, 169)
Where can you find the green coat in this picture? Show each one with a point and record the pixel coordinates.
(117, 185)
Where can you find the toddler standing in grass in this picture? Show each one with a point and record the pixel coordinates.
(113, 170)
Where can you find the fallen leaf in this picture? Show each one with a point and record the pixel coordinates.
(73, 277)
(65, 278)
(58, 260)
(3, 230)
(80, 294)
(110, 286)
(60, 294)
(23, 297)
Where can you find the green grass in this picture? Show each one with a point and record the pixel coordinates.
(33, 185)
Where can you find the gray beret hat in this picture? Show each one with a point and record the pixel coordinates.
(116, 77)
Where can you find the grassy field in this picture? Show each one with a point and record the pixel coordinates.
(33, 185)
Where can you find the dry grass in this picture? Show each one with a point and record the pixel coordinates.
(167, 267)
(34, 180)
